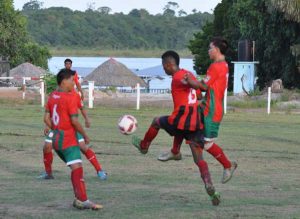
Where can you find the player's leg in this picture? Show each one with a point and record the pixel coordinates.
(211, 130)
(204, 173)
(143, 144)
(71, 156)
(91, 157)
(174, 154)
(47, 157)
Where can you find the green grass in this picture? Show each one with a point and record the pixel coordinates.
(142, 53)
(266, 183)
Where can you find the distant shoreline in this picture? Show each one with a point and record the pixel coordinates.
(140, 53)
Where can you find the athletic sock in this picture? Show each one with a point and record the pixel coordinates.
(91, 156)
(149, 136)
(78, 184)
(177, 141)
(218, 153)
(48, 159)
(204, 172)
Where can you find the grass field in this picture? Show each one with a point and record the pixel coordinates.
(266, 183)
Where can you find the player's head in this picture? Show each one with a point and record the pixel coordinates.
(68, 63)
(65, 79)
(217, 47)
(170, 62)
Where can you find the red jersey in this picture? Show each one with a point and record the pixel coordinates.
(80, 103)
(62, 106)
(216, 81)
(185, 115)
(76, 78)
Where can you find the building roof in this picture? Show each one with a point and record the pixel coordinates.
(114, 73)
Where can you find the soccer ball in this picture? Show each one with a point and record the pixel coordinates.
(127, 124)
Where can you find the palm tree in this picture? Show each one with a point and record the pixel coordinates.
(291, 8)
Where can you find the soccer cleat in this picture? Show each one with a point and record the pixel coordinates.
(86, 205)
(102, 175)
(136, 141)
(45, 175)
(215, 197)
(228, 173)
(165, 156)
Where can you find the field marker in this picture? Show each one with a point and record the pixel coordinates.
(269, 100)
(138, 96)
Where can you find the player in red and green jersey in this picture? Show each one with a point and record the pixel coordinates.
(215, 84)
(183, 123)
(68, 65)
(62, 116)
(88, 152)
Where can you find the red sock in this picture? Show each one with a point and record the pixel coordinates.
(149, 136)
(78, 184)
(177, 141)
(48, 159)
(205, 175)
(218, 153)
(91, 156)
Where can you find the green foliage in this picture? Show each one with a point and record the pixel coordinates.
(50, 83)
(37, 55)
(14, 40)
(254, 20)
(62, 27)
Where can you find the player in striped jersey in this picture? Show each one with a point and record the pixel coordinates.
(184, 122)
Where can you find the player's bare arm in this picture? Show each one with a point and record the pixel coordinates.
(80, 90)
(195, 84)
(47, 121)
(78, 128)
(86, 118)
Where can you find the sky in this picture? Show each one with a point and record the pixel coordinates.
(125, 6)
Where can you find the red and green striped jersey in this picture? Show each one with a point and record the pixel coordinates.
(185, 115)
(216, 81)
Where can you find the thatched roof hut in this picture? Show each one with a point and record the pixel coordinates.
(26, 70)
(114, 73)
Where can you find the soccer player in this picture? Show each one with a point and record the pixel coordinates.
(215, 84)
(88, 152)
(61, 115)
(68, 65)
(184, 122)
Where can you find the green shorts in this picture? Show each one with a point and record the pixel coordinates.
(211, 129)
(49, 137)
(79, 137)
(70, 155)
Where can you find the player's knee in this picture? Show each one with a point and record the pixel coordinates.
(208, 145)
(47, 147)
(155, 123)
(83, 147)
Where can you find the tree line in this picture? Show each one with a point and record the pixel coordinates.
(99, 28)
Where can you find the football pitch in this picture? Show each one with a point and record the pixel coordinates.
(265, 185)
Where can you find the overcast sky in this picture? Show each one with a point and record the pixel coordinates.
(153, 6)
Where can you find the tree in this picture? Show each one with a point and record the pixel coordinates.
(32, 5)
(291, 8)
(104, 10)
(14, 40)
(182, 13)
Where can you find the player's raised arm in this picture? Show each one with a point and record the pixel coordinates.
(194, 83)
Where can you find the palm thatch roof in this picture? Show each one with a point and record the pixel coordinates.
(114, 73)
(26, 70)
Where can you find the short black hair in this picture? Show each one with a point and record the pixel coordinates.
(171, 54)
(68, 60)
(221, 43)
(63, 74)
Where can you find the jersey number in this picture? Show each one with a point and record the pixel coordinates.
(192, 96)
(55, 117)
